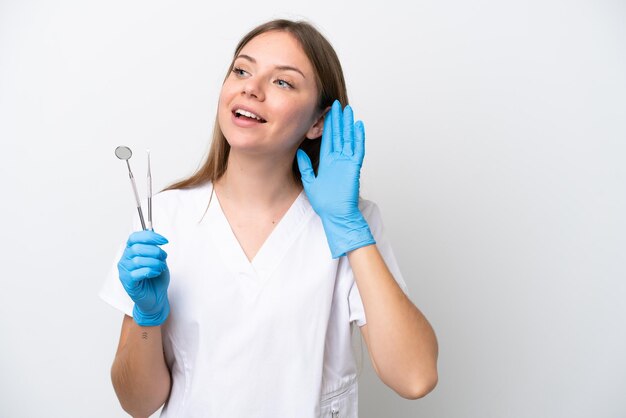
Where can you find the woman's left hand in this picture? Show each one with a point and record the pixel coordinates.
(334, 192)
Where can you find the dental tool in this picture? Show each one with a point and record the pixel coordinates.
(149, 194)
(124, 153)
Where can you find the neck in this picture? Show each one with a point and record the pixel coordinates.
(255, 181)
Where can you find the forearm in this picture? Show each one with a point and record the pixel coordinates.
(139, 374)
(401, 342)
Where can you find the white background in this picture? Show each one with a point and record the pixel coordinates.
(496, 142)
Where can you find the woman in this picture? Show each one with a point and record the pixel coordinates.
(267, 244)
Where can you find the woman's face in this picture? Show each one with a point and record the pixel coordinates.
(268, 101)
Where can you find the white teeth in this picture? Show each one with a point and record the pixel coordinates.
(248, 114)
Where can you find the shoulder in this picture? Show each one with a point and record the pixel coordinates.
(189, 201)
(177, 196)
(369, 208)
(373, 216)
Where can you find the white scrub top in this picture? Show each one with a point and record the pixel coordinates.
(267, 338)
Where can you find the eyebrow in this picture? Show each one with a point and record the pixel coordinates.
(279, 67)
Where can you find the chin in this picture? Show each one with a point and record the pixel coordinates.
(243, 143)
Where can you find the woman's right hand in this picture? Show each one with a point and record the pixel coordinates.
(145, 277)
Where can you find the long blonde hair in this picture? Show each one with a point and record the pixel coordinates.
(330, 83)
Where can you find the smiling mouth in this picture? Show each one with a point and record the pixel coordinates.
(244, 114)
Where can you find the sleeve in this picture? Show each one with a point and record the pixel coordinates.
(112, 291)
(372, 215)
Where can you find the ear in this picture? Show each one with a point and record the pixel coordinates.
(318, 127)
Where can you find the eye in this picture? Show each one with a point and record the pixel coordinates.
(239, 72)
(284, 84)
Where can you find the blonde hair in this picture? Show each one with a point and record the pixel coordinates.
(330, 83)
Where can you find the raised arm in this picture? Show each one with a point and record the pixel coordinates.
(401, 342)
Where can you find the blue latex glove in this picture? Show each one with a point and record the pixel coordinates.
(334, 193)
(145, 277)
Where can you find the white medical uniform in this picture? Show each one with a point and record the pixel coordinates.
(267, 338)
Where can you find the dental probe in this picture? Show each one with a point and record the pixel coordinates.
(149, 194)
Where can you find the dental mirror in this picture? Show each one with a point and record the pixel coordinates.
(124, 153)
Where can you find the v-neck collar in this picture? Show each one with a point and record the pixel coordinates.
(273, 249)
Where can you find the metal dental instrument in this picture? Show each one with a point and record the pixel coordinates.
(124, 153)
(149, 194)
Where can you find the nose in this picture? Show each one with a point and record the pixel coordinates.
(252, 88)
